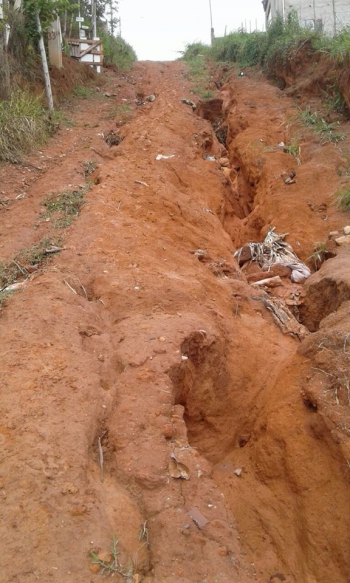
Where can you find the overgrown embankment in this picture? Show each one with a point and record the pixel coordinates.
(24, 122)
(309, 62)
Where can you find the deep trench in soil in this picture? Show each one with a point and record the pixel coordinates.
(221, 421)
(148, 347)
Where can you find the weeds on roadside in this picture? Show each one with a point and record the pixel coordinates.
(284, 42)
(116, 51)
(111, 564)
(338, 47)
(344, 169)
(64, 206)
(343, 198)
(89, 167)
(321, 127)
(120, 111)
(82, 92)
(295, 150)
(319, 255)
(4, 296)
(199, 74)
(18, 267)
(24, 126)
(335, 101)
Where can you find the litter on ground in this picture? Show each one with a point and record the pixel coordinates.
(274, 250)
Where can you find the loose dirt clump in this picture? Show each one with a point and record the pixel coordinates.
(165, 417)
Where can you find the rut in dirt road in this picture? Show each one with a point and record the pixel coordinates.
(155, 398)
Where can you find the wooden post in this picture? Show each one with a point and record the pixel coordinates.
(93, 11)
(211, 24)
(44, 64)
(54, 44)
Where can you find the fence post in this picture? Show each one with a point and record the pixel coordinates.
(54, 44)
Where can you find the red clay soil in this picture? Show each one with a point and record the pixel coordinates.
(148, 391)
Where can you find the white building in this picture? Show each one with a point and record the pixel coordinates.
(327, 15)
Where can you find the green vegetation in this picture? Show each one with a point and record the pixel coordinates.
(82, 92)
(198, 70)
(319, 255)
(89, 167)
(17, 268)
(321, 127)
(343, 198)
(294, 149)
(117, 52)
(63, 207)
(121, 112)
(241, 48)
(275, 50)
(4, 296)
(338, 47)
(110, 563)
(24, 125)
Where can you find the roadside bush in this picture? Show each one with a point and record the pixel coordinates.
(240, 47)
(338, 47)
(285, 38)
(24, 125)
(116, 51)
(195, 50)
(228, 48)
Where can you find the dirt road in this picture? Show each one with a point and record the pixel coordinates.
(148, 392)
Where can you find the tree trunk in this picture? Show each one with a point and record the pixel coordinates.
(44, 63)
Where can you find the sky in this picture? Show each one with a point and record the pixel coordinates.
(158, 30)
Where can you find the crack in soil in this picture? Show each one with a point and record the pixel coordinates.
(172, 351)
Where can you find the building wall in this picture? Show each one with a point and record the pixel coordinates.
(329, 15)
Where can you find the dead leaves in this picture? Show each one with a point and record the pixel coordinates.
(177, 469)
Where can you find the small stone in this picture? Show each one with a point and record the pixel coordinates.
(105, 556)
(224, 162)
(78, 510)
(238, 472)
(333, 234)
(151, 98)
(197, 517)
(223, 551)
(346, 230)
(69, 489)
(168, 430)
(345, 240)
(94, 567)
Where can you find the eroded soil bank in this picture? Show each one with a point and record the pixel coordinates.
(142, 353)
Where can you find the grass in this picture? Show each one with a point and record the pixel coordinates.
(82, 92)
(321, 127)
(121, 111)
(295, 150)
(343, 198)
(319, 255)
(4, 296)
(24, 126)
(117, 52)
(89, 167)
(110, 563)
(198, 73)
(63, 207)
(279, 48)
(17, 268)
